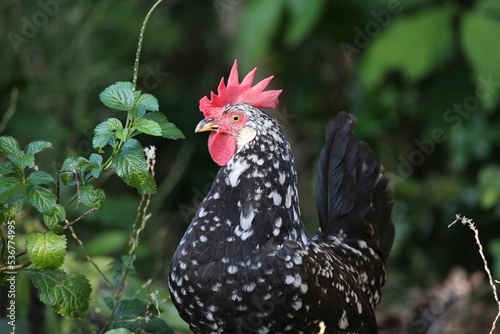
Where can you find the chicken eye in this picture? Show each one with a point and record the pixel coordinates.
(236, 118)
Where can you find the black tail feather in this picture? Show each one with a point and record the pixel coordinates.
(351, 190)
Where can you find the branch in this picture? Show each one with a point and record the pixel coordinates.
(466, 221)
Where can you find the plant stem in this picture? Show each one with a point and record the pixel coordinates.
(73, 234)
(11, 110)
(139, 46)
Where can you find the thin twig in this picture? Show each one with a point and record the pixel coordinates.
(466, 221)
(79, 218)
(10, 110)
(139, 45)
(73, 234)
(77, 181)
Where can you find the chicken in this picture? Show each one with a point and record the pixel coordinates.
(246, 263)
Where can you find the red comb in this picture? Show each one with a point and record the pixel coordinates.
(235, 92)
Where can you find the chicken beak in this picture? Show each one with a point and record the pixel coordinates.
(206, 124)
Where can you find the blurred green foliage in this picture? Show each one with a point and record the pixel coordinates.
(422, 77)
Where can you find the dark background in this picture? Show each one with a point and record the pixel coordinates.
(422, 77)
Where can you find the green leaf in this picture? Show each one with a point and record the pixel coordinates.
(119, 96)
(145, 102)
(168, 130)
(304, 15)
(479, 34)
(93, 198)
(38, 146)
(411, 45)
(267, 16)
(7, 183)
(70, 164)
(148, 127)
(40, 178)
(105, 131)
(6, 168)
(46, 250)
(52, 220)
(10, 146)
(13, 206)
(68, 295)
(26, 160)
(130, 163)
(42, 199)
(130, 314)
(96, 162)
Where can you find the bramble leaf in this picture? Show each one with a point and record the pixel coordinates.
(145, 102)
(130, 164)
(13, 206)
(7, 183)
(93, 198)
(168, 130)
(46, 250)
(42, 199)
(39, 177)
(26, 160)
(53, 219)
(148, 127)
(105, 131)
(118, 96)
(68, 295)
(6, 168)
(37, 146)
(10, 146)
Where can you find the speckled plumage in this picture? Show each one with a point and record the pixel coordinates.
(246, 264)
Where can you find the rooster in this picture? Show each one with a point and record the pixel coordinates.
(246, 263)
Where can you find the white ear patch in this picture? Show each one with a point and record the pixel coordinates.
(247, 134)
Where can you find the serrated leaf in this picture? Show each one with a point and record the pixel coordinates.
(27, 160)
(105, 131)
(168, 130)
(410, 45)
(130, 313)
(68, 295)
(145, 102)
(46, 250)
(119, 96)
(52, 220)
(148, 127)
(95, 159)
(130, 162)
(37, 146)
(6, 168)
(9, 145)
(14, 205)
(69, 164)
(303, 16)
(93, 198)
(148, 185)
(479, 34)
(7, 183)
(42, 199)
(40, 178)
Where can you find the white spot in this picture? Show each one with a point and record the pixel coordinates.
(289, 279)
(232, 269)
(343, 322)
(203, 238)
(216, 196)
(246, 220)
(297, 305)
(288, 200)
(276, 198)
(235, 170)
(282, 178)
(249, 287)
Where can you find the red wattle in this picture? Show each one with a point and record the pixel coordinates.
(221, 147)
